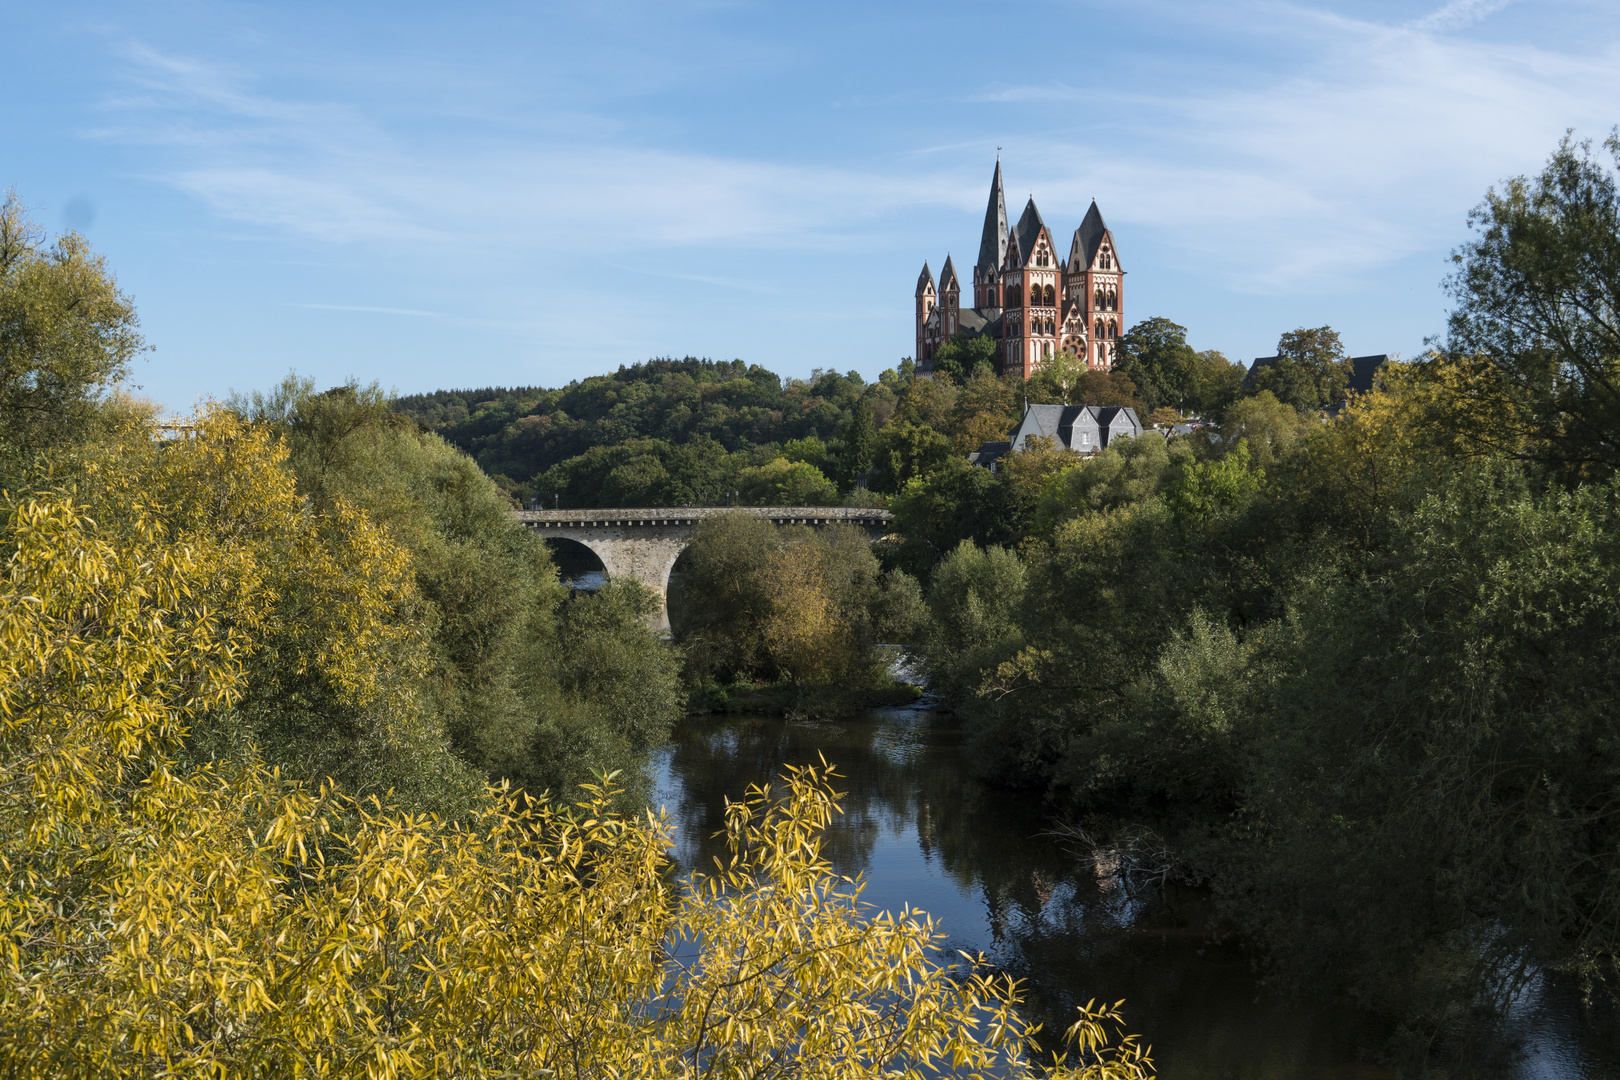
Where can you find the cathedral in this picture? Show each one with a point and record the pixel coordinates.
(1032, 303)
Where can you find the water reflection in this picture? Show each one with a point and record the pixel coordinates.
(927, 835)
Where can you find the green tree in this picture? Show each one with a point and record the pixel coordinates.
(1311, 371)
(1155, 355)
(974, 597)
(781, 482)
(67, 336)
(964, 356)
(500, 684)
(860, 448)
(1267, 427)
(906, 450)
(955, 502)
(1536, 298)
(1216, 384)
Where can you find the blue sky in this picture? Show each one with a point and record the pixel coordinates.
(434, 195)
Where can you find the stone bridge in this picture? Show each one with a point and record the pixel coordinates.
(644, 544)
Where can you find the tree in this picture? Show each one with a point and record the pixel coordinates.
(860, 446)
(1155, 355)
(1216, 383)
(906, 450)
(956, 502)
(964, 356)
(986, 409)
(514, 701)
(67, 335)
(1537, 294)
(761, 603)
(781, 482)
(1311, 371)
(1267, 426)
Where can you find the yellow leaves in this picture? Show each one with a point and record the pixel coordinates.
(802, 629)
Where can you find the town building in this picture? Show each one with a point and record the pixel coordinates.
(1024, 296)
(1083, 429)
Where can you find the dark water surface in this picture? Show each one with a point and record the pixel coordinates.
(924, 833)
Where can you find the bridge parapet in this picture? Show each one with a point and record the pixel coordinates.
(644, 543)
(691, 515)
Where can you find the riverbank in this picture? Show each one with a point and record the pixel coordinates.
(794, 702)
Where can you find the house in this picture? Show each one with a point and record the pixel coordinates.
(1082, 429)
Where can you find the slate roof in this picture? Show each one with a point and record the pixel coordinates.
(1088, 237)
(1060, 423)
(924, 279)
(987, 454)
(1028, 231)
(1364, 368)
(974, 321)
(993, 243)
(947, 277)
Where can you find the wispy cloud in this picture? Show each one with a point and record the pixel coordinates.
(1460, 13)
(373, 310)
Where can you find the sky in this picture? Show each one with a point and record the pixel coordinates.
(436, 196)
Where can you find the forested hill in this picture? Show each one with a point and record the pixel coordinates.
(520, 432)
(672, 432)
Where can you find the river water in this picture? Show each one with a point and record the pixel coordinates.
(924, 833)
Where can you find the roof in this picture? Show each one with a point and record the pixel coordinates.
(1362, 370)
(973, 321)
(925, 280)
(1057, 422)
(987, 453)
(993, 243)
(1028, 231)
(947, 277)
(1088, 238)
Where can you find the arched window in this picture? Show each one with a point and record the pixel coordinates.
(1051, 296)
(1100, 331)
(1100, 299)
(1046, 350)
(1051, 326)
(1113, 328)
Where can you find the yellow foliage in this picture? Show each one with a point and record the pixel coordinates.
(224, 922)
(802, 628)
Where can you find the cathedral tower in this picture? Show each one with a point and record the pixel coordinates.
(950, 302)
(1096, 285)
(1031, 283)
(925, 308)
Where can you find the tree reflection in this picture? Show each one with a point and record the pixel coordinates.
(1046, 916)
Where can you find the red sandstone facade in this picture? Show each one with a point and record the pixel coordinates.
(1032, 303)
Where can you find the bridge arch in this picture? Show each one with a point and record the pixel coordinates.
(644, 544)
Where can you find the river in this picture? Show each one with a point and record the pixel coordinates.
(924, 833)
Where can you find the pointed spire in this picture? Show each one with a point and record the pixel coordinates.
(925, 280)
(1028, 231)
(993, 243)
(1088, 238)
(947, 277)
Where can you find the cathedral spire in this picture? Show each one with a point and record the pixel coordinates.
(993, 244)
